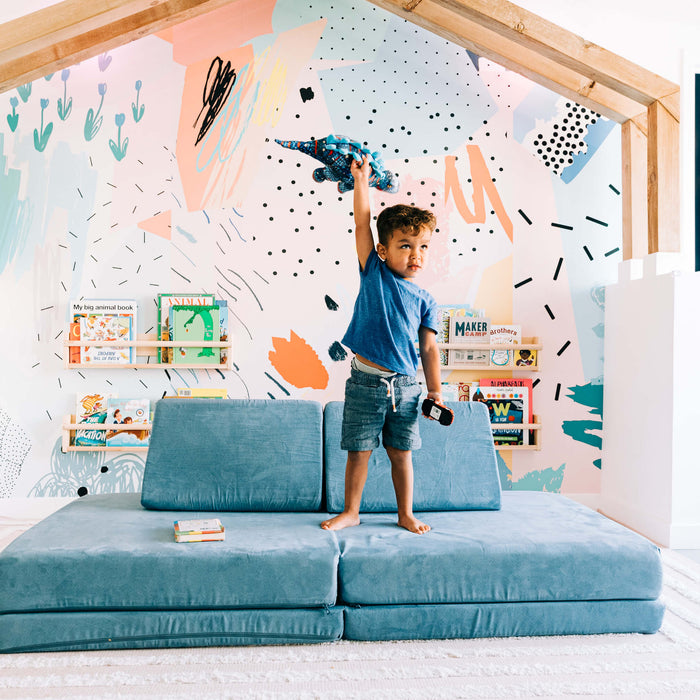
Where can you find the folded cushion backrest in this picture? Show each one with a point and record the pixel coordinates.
(234, 455)
(455, 468)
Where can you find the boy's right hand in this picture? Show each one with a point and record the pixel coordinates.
(360, 170)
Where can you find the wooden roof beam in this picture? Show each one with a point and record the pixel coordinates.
(566, 48)
(71, 31)
(459, 29)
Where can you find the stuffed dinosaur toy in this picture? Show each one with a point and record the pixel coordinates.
(336, 152)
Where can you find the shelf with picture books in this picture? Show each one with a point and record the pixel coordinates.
(509, 401)
(192, 333)
(103, 422)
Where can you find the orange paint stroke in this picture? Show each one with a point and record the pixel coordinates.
(298, 362)
(218, 31)
(160, 224)
(481, 182)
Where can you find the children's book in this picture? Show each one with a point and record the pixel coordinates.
(471, 332)
(504, 335)
(134, 412)
(105, 328)
(522, 382)
(507, 405)
(91, 408)
(203, 530)
(165, 301)
(525, 358)
(201, 393)
(223, 327)
(193, 323)
(107, 308)
(445, 312)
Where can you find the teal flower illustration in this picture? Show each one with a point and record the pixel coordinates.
(13, 119)
(41, 137)
(24, 91)
(93, 120)
(65, 105)
(119, 148)
(135, 109)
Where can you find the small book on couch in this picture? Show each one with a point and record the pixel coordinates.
(206, 530)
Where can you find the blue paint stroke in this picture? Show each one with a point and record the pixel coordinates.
(236, 230)
(73, 471)
(14, 212)
(187, 235)
(595, 135)
(540, 104)
(549, 480)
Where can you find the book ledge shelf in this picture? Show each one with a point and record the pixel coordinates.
(146, 345)
(535, 437)
(70, 426)
(514, 348)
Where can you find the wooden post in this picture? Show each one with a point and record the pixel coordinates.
(663, 145)
(635, 243)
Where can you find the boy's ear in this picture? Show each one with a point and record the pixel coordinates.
(381, 251)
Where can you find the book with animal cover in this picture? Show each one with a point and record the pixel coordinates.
(165, 301)
(471, 332)
(195, 323)
(503, 334)
(199, 530)
(108, 308)
(134, 412)
(507, 405)
(108, 328)
(91, 408)
(201, 393)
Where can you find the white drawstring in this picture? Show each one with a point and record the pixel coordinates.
(390, 390)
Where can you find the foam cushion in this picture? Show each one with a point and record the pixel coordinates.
(455, 468)
(234, 455)
(72, 631)
(108, 553)
(538, 547)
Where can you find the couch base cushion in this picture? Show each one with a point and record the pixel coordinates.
(538, 547)
(75, 631)
(108, 553)
(471, 620)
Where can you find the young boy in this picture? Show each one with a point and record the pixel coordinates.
(391, 311)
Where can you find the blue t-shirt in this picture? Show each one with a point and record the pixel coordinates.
(388, 312)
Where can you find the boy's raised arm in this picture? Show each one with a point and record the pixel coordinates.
(363, 232)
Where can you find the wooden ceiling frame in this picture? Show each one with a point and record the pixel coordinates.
(646, 105)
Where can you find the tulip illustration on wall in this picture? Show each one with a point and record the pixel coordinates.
(41, 136)
(65, 105)
(137, 110)
(13, 119)
(93, 120)
(119, 148)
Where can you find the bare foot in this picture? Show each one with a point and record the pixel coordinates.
(341, 521)
(412, 524)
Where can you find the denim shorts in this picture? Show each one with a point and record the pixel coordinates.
(369, 412)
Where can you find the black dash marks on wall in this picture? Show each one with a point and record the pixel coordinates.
(306, 94)
(220, 81)
(337, 352)
(332, 305)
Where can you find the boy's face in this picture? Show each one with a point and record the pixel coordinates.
(406, 254)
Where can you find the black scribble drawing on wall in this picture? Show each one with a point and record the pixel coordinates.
(220, 81)
(306, 94)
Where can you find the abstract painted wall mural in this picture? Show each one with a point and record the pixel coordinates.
(156, 168)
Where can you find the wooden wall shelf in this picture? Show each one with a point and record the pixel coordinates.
(146, 345)
(69, 427)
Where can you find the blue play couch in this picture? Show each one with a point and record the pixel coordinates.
(105, 573)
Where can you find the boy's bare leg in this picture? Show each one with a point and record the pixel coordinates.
(355, 477)
(402, 476)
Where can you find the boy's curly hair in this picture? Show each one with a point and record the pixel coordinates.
(403, 217)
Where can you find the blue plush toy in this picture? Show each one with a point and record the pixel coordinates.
(336, 152)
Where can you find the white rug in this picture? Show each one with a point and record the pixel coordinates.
(664, 665)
